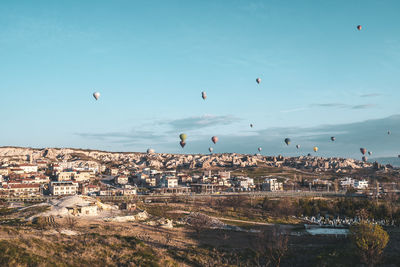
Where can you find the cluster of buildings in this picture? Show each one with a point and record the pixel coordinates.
(348, 182)
(56, 172)
(171, 181)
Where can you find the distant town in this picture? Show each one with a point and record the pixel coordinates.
(36, 173)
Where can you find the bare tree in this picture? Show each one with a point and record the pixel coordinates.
(235, 202)
(71, 221)
(271, 247)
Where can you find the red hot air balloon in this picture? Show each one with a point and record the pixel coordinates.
(182, 144)
(359, 27)
(258, 80)
(363, 151)
(214, 139)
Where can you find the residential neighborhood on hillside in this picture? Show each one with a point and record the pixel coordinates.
(26, 172)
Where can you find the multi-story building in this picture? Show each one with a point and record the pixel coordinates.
(169, 182)
(82, 176)
(347, 182)
(363, 184)
(272, 184)
(66, 176)
(246, 183)
(63, 188)
(224, 175)
(121, 179)
(23, 190)
(28, 168)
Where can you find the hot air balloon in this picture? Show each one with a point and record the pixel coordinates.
(214, 139)
(315, 149)
(259, 149)
(210, 149)
(96, 95)
(287, 141)
(388, 132)
(369, 153)
(359, 27)
(251, 125)
(258, 80)
(364, 158)
(150, 151)
(308, 155)
(363, 151)
(204, 95)
(183, 136)
(182, 144)
(398, 156)
(333, 138)
(297, 146)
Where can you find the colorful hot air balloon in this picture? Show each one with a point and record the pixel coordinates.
(363, 151)
(182, 144)
(183, 136)
(364, 158)
(315, 149)
(150, 151)
(258, 80)
(96, 95)
(259, 149)
(204, 95)
(308, 155)
(214, 139)
(210, 149)
(333, 138)
(369, 153)
(287, 141)
(359, 27)
(251, 125)
(297, 146)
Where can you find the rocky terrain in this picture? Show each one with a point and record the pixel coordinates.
(188, 161)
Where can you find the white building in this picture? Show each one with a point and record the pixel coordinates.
(65, 176)
(363, 184)
(272, 184)
(63, 188)
(246, 183)
(23, 189)
(82, 176)
(129, 190)
(224, 175)
(27, 168)
(347, 182)
(169, 182)
(121, 179)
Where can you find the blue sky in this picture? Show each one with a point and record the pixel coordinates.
(151, 59)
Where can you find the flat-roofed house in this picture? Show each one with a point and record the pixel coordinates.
(27, 168)
(24, 190)
(59, 188)
(66, 176)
